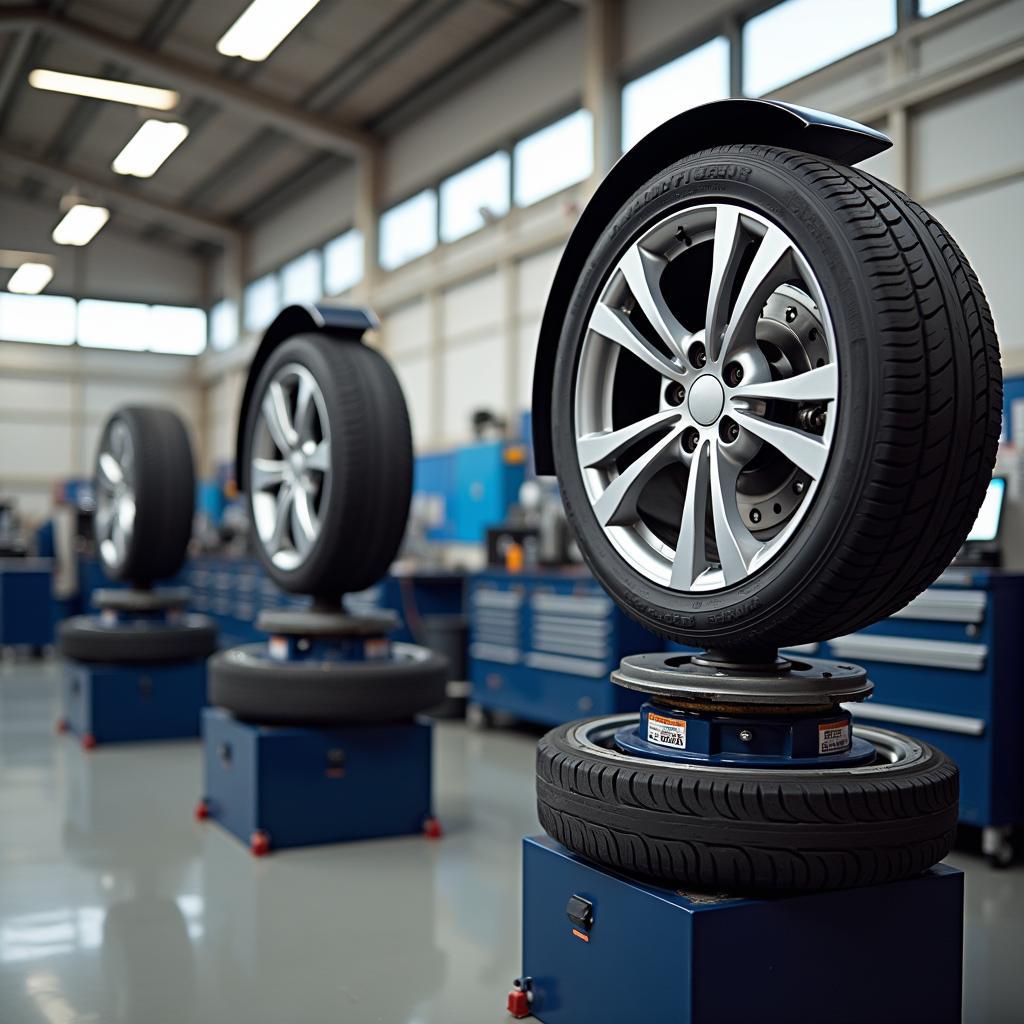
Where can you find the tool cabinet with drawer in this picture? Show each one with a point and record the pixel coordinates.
(542, 646)
(947, 669)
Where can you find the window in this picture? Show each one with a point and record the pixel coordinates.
(408, 230)
(343, 262)
(799, 36)
(177, 330)
(700, 76)
(44, 319)
(926, 8)
(475, 196)
(553, 158)
(261, 302)
(123, 325)
(223, 325)
(301, 279)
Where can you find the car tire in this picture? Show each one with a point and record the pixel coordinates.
(87, 638)
(358, 499)
(913, 429)
(144, 464)
(747, 830)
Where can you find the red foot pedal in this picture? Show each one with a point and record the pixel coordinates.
(519, 1003)
(432, 828)
(259, 843)
(202, 811)
(88, 741)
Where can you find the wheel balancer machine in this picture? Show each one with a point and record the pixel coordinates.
(752, 363)
(313, 736)
(137, 671)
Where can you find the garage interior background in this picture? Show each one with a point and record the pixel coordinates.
(427, 158)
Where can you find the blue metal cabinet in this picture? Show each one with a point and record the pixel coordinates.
(947, 670)
(26, 614)
(542, 646)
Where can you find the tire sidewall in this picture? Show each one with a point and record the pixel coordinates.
(767, 605)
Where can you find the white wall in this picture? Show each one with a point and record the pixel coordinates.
(54, 401)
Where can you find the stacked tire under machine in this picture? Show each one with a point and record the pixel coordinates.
(137, 670)
(313, 735)
(770, 388)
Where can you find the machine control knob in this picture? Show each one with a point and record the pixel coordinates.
(580, 913)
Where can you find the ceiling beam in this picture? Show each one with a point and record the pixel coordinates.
(311, 128)
(62, 176)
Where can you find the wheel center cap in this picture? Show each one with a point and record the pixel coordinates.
(706, 399)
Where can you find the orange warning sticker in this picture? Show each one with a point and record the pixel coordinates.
(833, 737)
(581, 935)
(666, 732)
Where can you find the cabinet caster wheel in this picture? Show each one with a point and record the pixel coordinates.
(202, 811)
(259, 843)
(88, 741)
(997, 845)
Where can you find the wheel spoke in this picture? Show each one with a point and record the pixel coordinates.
(770, 267)
(278, 419)
(110, 472)
(303, 526)
(736, 544)
(266, 473)
(724, 264)
(691, 555)
(282, 518)
(642, 271)
(104, 519)
(607, 445)
(818, 385)
(808, 452)
(320, 460)
(304, 407)
(617, 505)
(614, 325)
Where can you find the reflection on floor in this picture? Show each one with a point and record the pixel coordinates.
(117, 908)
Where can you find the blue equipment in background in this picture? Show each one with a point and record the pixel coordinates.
(543, 643)
(26, 602)
(602, 949)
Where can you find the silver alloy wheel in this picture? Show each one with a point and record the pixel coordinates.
(290, 466)
(737, 426)
(115, 495)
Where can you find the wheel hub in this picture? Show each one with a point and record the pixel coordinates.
(706, 400)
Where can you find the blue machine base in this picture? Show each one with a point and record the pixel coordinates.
(654, 956)
(301, 787)
(128, 703)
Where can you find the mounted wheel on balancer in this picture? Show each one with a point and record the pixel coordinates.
(769, 385)
(326, 461)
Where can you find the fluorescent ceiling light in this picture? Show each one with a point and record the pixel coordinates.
(149, 147)
(80, 224)
(30, 278)
(104, 89)
(261, 27)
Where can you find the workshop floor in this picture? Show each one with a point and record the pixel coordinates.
(117, 908)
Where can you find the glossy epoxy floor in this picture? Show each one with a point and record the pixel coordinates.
(117, 908)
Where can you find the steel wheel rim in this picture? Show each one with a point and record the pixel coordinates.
(115, 495)
(746, 394)
(290, 467)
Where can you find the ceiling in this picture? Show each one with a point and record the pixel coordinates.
(351, 70)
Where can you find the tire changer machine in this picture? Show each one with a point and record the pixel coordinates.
(137, 671)
(733, 851)
(313, 736)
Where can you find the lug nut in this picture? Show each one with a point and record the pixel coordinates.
(790, 314)
(674, 394)
(697, 354)
(733, 374)
(755, 515)
(690, 439)
(813, 418)
(746, 735)
(729, 430)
